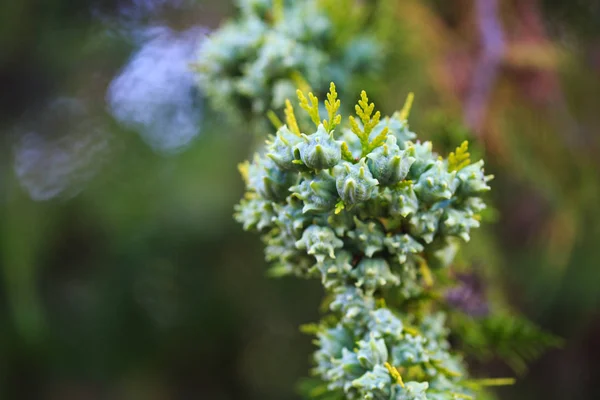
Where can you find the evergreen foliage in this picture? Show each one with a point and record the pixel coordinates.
(376, 215)
(254, 63)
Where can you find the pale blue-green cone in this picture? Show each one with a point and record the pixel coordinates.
(372, 274)
(403, 201)
(281, 149)
(332, 342)
(255, 214)
(402, 245)
(388, 164)
(319, 241)
(375, 384)
(342, 223)
(318, 194)
(409, 279)
(368, 236)
(335, 272)
(345, 369)
(424, 158)
(371, 352)
(290, 217)
(411, 350)
(354, 182)
(384, 324)
(279, 248)
(354, 306)
(424, 224)
(351, 297)
(320, 150)
(458, 223)
(435, 184)
(472, 179)
(472, 205)
(268, 180)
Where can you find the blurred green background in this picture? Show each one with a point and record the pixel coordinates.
(122, 272)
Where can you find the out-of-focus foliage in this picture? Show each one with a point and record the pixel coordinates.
(515, 340)
(156, 92)
(252, 64)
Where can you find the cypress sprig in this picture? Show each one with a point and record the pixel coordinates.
(376, 216)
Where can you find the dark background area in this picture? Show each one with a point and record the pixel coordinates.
(122, 272)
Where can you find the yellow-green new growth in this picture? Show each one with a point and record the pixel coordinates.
(405, 112)
(346, 153)
(243, 168)
(313, 108)
(290, 118)
(480, 383)
(278, 10)
(332, 104)
(394, 373)
(364, 110)
(460, 158)
(275, 121)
